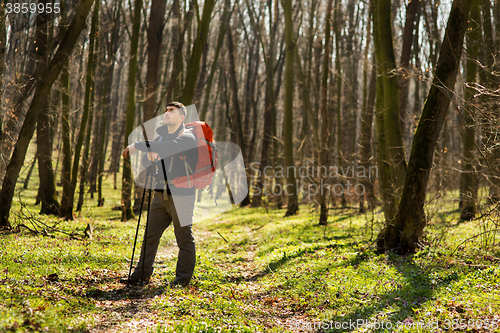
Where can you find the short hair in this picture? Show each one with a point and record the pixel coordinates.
(179, 106)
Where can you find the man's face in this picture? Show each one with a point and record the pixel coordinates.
(172, 116)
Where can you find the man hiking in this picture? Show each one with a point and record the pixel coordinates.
(174, 152)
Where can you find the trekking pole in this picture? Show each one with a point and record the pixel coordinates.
(147, 223)
(137, 229)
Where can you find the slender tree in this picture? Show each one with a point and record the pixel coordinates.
(155, 38)
(325, 117)
(224, 23)
(196, 53)
(404, 63)
(469, 177)
(291, 187)
(391, 159)
(67, 205)
(127, 212)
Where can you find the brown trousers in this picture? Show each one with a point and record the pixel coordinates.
(162, 212)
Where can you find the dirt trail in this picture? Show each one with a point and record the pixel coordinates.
(129, 310)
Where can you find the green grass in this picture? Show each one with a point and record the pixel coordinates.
(272, 273)
(256, 272)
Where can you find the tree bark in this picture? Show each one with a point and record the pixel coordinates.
(224, 23)
(155, 38)
(492, 83)
(469, 177)
(403, 233)
(47, 185)
(404, 63)
(106, 100)
(236, 117)
(269, 102)
(177, 65)
(391, 153)
(127, 212)
(326, 126)
(67, 209)
(42, 89)
(292, 198)
(14, 119)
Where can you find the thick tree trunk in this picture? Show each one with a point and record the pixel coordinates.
(269, 103)
(391, 153)
(290, 188)
(127, 212)
(403, 233)
(42, 90)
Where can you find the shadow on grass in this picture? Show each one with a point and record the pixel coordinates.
(276, 264)
(417, 290)
(126, 292)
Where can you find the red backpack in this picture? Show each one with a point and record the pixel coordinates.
(207, 158)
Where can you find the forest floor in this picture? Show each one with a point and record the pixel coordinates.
(256, 272)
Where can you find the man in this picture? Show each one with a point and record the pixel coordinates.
(173, 148)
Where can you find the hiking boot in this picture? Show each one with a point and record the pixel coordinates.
(177, 284)
(134, 282)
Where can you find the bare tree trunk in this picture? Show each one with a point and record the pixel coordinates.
(326, 126)
(67, 210)
(292, 198)
(366, 143)
(469, 177)
(404, 77)
(403, 233)
(177, 65)
(66, 149)
(338, 47)
(155, 38)
(391, 153)
(224, 23)
(236, 117)
(85, 158)
(42, 89)
(14, 119)
(127, 212)
(365, 140)
(269, 103)
(47, 189)
(492, 83)
(3, 41)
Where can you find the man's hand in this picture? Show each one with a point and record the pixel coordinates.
(152, 156)
(129, 150)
